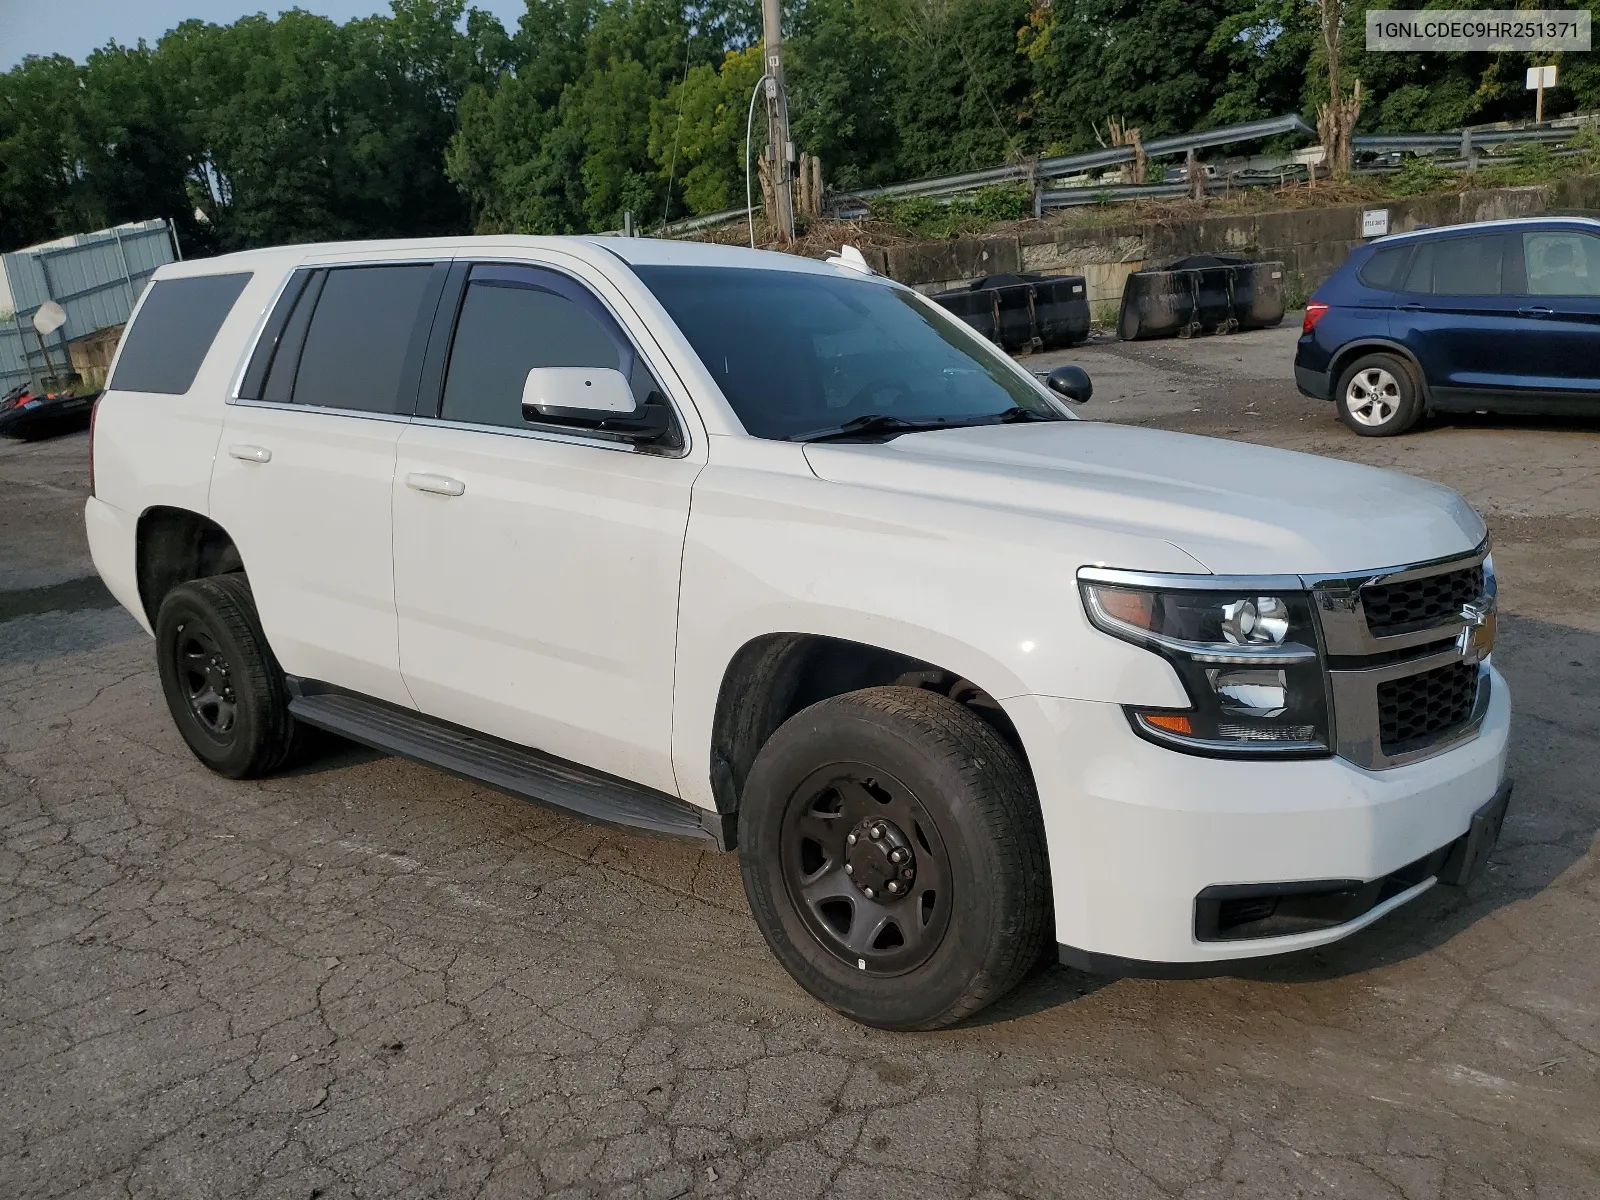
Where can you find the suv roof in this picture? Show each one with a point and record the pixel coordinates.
(634, 251)
(1502, 223)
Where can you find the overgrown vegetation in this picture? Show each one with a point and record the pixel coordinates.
(918, 216)
(437, 119)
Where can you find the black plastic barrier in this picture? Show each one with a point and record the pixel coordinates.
(1022, 312)
(1202, 293)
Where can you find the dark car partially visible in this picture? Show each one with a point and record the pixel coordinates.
(1496, 317)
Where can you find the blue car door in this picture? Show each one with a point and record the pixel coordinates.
(1455, 316)
(1557, 273)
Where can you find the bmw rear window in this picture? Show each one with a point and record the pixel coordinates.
(173, 332)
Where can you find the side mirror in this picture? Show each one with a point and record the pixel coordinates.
(1070, 383)
(591, 398)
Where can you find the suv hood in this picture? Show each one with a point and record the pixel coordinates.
(1238, 509)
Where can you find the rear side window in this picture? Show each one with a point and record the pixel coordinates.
(176, 325)
(1468, 266)
(355, 348)
(1383, 269)
(516, 318)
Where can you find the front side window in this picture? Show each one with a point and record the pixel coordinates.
(800, 354)
(1561, 263)
(355, 346)
(1465, 266)
(516, 318)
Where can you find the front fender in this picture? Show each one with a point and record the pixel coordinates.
(993, 599)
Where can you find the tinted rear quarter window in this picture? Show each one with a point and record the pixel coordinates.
(1383, 269)
(355, 349)
(173, 332)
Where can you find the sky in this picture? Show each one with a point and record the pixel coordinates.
(75, 27)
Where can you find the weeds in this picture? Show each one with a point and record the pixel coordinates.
(918, 216)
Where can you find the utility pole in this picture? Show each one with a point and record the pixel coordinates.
(779, 146)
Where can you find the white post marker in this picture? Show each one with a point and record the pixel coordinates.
(1540, 78)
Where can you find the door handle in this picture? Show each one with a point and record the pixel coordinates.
(439, 485)
(255, 454)
(1535, 310)
(1414, 306)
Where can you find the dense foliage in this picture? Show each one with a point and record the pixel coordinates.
(436, 119)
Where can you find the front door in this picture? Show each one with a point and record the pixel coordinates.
(536, 573)
(1560, 305)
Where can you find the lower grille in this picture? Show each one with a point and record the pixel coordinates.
(1419, 708)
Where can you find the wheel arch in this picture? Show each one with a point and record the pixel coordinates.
(1349, 353)
(175, 545)
(773, 676)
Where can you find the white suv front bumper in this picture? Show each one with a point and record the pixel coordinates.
(1136, 831)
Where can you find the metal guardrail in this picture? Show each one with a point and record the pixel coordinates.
(1462, 139)
(943, 188)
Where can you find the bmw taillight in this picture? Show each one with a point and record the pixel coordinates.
(1314, 313)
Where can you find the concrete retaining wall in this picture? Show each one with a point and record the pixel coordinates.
(1311, 243)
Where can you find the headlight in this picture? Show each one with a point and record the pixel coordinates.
(1248, 660)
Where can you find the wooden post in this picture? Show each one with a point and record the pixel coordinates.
(1538, 104)
(777, 121)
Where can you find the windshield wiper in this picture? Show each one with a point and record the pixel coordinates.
(871, 423)
(1018, 413)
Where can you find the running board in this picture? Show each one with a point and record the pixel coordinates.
(524, 773)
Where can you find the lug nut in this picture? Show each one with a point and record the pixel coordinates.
(908, 873)
(877, 832)
(893, 886)
(897, 856)
(850, 840)
(868, 892)
(849, 870)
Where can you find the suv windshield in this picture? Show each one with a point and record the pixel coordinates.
(800, 355)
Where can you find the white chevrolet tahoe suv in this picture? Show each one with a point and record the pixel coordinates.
(776, 554)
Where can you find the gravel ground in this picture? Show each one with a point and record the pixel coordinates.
(366, 978)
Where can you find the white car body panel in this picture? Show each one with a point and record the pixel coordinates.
(540, 604)
(587, 600)
(326, 602)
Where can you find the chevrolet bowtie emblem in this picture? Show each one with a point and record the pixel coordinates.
(1477, 639)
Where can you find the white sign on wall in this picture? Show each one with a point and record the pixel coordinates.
(1374, 222)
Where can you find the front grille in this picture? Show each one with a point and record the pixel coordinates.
(1418, 603)
(1418, 708)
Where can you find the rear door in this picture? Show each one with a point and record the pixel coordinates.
(303, 473)
(1456, 317)
(1557, 273)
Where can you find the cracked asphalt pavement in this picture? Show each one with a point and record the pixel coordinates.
(365, 978)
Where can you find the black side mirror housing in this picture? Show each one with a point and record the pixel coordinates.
(1070, 383)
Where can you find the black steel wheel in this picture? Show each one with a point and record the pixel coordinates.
(222, 684)
(865, 867)
(893, 855)
(202, 670)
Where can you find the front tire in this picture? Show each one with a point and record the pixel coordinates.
(1378, 396)
(223, 686)
(893, 855)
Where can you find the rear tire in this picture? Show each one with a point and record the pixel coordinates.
(1378, 396)
(946, 905)
(223, 686)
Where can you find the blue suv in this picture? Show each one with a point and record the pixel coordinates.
(1496, 317)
